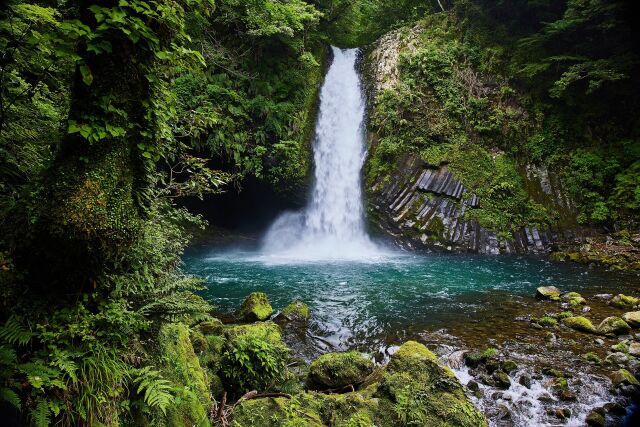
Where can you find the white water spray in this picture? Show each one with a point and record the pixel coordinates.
(332, 225)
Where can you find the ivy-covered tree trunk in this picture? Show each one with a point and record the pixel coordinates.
(93, 206)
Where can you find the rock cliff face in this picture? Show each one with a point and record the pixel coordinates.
(426, 206)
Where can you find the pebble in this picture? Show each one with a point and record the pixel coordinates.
(586, 309)
(599, 341)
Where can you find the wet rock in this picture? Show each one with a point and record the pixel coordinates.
(573, 299)
(338, 370)
(475, 358)
(509, 366)
(552, 372)
(586, 309)
(548, 292)
(595, 419)
(623, 377)
(502, 379)
(593, 358)
(634, 349)
(622, 346)
(296, 311)
(256, 307)
(617, 358)
(599, 341)
(624, 301)
(473, 385)
(580, 323)
(456, 359)
(632, 318)
(603, 297)
(613, 325)
(612, 408)
(562, 413)
(503, 413)
(525, 380)
(567, 396)
(546, 398)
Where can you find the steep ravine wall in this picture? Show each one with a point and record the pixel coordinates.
(425, 206)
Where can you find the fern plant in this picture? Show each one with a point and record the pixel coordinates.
(157, 390)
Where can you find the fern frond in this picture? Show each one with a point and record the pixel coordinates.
(13, 333)
(41, 414)
(157, 390)
(10, 396)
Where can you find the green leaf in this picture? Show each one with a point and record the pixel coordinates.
(87, 77)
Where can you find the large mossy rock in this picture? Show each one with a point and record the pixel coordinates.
(274, 412)
(580, 323)
(624, 301)
(548, 292)
(180, 365)
(613, 325)
(632, 318)
(255, 307)
(338, 370)
(423, 392)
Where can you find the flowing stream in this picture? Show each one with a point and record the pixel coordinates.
(332, 225)
(366, 297)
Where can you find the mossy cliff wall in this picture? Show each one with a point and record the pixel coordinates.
(443, 169)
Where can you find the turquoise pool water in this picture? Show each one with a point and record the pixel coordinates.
(367, 305)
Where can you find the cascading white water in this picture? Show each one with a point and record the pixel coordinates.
(332, 225)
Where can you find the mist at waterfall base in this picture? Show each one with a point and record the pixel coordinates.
(332, 225)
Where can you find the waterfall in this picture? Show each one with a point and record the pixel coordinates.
(332, 225)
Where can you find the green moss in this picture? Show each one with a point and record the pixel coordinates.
(255, 307)
(565, 314)
(181, 366)
(622, 376)
(547, 321)
(336, 370)
(593, 358)
(213, 326)
(423, 392)
(624, 301)
(274, 412)
(579, 323)
(613, 325)
(297, 310)
(509, 366)
(477, 357)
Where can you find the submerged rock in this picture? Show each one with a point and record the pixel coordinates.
(624, 301)
(338, 370)
(632, 318)
(580, 323)
(255, 307)
(548, 292)
(613, 326)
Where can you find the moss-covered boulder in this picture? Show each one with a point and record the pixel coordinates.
(274, 412)
(622, 376)
(632, 318)
(624, 301)
(580, 323)
(180, 365)
(573, 298)
(423, 392)
(255, 307)
(613, 325)
(338, 370)
(254, 357)
(211, 327)
(297, 311)
(548, 292)
(547, 321)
